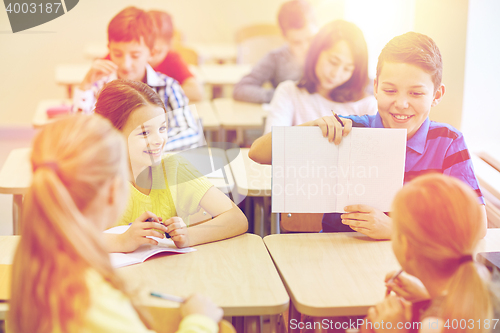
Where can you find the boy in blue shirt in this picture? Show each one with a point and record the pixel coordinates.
(407, 85)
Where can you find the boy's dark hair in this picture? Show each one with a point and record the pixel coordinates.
(329, 35)
(164, 27)
(295, 14)
(131, 24)
(415, 49)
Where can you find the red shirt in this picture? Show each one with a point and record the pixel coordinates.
(173, 65)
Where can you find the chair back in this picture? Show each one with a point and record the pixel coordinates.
(301, 222)
(255, 41)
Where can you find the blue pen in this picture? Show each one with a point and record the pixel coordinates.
(168, 297)
(150, 219)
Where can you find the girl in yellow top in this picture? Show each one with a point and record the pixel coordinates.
(437, 226)
(62, 276)
(167, 189)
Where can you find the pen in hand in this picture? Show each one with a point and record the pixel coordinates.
(152, 220)
(338, 118)
(398, 273)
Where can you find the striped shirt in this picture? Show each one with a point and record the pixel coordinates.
(435, 147)
(183, 130)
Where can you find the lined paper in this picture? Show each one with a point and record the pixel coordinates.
(312, 175)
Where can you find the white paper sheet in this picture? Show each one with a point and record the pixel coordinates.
(312, 175)
(143, 252)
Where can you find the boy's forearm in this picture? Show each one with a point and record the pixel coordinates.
(261, 150)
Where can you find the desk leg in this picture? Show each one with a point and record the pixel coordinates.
(253, 324)
(259, 216)
(239, 324)
(222, 134)
(293, 314)
(275, 223)
(17, 210)
(274, 319)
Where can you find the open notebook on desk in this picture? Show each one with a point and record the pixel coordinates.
(312, 175)
(144, 251)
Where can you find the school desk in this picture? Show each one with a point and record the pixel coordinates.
(8, 246)
(214, 52)
(239, 116)
(216, 76)
(338, 274)
(70, 75)
(492, 157)
(237, 274)
(40, 117)
(15, 178)
(209, 119)
(16, 174)
(254, 180)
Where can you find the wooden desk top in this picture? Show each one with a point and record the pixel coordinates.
(205, 111)
(215, 51)
(252, 179)
(223, 74)
(233, 114)
(15, 176)
(339, 274)
(237, 274)
(488, 176)
(70, 74)
(8, 246)
(40, 117)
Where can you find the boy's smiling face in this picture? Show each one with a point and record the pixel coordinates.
(131, 58)
(405, 95)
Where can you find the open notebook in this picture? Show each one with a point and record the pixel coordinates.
(312, 175)
(143, 252)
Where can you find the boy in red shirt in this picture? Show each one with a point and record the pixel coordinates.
(169, 62)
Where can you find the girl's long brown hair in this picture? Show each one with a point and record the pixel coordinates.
(329, 35)
(71, 160)
(443, 222)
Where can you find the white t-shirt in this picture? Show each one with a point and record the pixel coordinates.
(294, 106)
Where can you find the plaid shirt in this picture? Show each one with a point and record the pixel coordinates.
(183, 130)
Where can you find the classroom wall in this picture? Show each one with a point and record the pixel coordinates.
(445, 21)
(28, 58)
(481, 110)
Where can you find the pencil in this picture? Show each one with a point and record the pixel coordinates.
(168, 297)
(398, 273)
(338, 118)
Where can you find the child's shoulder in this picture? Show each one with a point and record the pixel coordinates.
(442, 130)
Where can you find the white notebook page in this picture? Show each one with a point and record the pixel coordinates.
(312, 175)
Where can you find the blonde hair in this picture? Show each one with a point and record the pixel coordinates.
(442, 222)
(71, 160)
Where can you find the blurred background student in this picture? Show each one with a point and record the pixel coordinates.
(335, 79)
(61, 267)
(298, 26)
(167, 61)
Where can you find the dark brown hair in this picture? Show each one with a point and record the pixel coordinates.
(295, 14)
(131, 24)
(119, 98)
(329, 35)
(164, 27)
(415, 49)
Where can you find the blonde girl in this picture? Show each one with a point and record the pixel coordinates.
(62, 277)
(437, 225)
